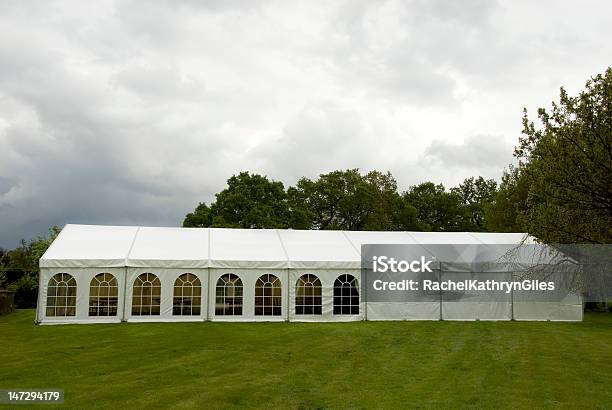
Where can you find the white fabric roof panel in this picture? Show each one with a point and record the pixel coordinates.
(359, 238)
(129, 246)
(435, 238)
(320, 250)
(169, 248)
(491, 238)
(82, 246)
(246, 248)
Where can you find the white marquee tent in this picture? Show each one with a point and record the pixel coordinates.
(94, 274)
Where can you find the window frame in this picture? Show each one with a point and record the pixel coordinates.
(341, 286)
(226, 282)
(192, 282)
(311, 304)
(111, 285)
(61, 282)
(268, 296)
(153, 283)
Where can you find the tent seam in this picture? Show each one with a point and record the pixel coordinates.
(280, 240)
(127, 257)
(476, 237)
(351, 243)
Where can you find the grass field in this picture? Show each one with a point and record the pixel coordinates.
(338, 365)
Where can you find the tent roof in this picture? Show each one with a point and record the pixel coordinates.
(90, 245)
(167, 247)
(118, 246)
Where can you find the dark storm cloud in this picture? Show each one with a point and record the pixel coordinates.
(130, 112)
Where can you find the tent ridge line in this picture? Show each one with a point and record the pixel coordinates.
(472, 234)
(351, 243)
(280, 240)
(127, 257)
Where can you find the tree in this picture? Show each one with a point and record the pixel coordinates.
(505, 212)
(348, 200)
(567, 162)
(476, 194)
(19, 267)
(389, 212)
(405, 216)
(437, 209)
(199, 218)
(249, 201)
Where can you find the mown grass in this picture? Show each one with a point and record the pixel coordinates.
(313, 365)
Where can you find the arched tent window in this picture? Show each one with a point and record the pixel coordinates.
(268, 298)
(346, 295)
(61, 295)
(146, 296)
(308, 295)
(229, 296)
(103, 295)
(187, 295)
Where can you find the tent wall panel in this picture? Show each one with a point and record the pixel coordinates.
(403, 311)
(167, 278)
(477, 305)
(533, 306)
(327, 278)
(249, 279)
(83, 278)
(477, 310)
(543, 311)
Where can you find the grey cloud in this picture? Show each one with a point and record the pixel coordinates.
(476, 152)
(321, 138)
(164, 83)
(6, 184)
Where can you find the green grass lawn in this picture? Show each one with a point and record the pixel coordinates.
(338, 365)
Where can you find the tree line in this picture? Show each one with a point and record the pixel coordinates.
(348, 200)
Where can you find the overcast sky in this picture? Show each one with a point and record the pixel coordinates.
(132, 112)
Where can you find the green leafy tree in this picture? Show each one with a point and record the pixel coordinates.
(405, 216)
(20, 270)
(475, 194)
(437, 209)
(199, 218)
(505, 212)
(249, 201)
(388, 211)
(349, 200)
(568, 165)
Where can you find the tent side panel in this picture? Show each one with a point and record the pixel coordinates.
(477, 305)
(327, 278)
(403, 311)
(83, 278)
(249, 278)
(140, 308)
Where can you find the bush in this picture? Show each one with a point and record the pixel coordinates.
(26, 291)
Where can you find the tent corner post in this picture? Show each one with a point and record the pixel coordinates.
(208, 301)
(288, 295)
(38, 298)
(125, 280)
